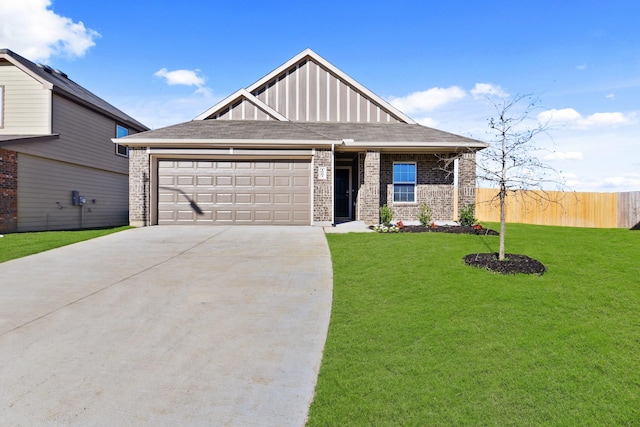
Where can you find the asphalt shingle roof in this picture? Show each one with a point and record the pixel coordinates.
(301, 131)
(64, 85)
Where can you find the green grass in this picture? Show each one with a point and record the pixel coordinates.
(17, 245)
(418, 338)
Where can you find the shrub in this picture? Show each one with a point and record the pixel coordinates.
(386, 215)
(467, 215)
(425, 214)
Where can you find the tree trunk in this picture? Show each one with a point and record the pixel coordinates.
(502, 225)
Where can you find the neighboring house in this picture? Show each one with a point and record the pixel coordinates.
(56, 151)
(306, 145)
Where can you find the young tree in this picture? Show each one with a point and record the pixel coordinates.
(510, 163)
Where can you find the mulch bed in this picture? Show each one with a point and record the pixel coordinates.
(456, 229)
(513, 263)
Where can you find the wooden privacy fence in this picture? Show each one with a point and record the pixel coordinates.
(569, 209)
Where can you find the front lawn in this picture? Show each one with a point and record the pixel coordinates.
(419, 338)
(17, 245)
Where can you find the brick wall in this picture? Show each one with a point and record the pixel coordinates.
(466, 181)
(139, 173)
(322, 188)
(434, 185)
(368, 199)
(8, 191)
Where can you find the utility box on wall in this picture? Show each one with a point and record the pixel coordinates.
(77, 199)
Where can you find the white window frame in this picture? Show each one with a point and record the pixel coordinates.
(121, 135)
(414, 182)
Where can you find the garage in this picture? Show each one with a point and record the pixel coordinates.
(276, 192)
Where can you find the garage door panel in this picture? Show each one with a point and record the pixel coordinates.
(229, 192)
(301, 199)
(204, 198)
(203, 180)
(244, 198)
(301, 181)
(222, 181)
(223, 215)
(263, 199)
(282, 181)
(243, 181)
(263, 181)
(263, 216)
(185, 180)
(223, 198)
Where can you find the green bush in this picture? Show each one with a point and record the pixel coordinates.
(386, 215)
(467, 215)
(425, 214)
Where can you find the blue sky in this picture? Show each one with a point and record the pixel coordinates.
(164, 62)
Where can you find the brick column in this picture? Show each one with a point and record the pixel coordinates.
(466, 181)
(139, 189)
(8, 191)
(369, 194)
(322, 189)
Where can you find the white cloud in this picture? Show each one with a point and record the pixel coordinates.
(581, 67)
(572, 117)
(568, 155)
(181, 77)
(427, 121)
(428, 100)
(607, 119)
(622, 183)
(488, 89)
(32, 29)
(611, 96)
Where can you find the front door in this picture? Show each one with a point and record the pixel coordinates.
(342, 193)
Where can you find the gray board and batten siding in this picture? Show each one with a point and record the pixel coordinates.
(309, 92)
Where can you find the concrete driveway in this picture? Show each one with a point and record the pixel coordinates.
(166, 326)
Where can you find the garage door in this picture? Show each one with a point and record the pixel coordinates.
(234, 192)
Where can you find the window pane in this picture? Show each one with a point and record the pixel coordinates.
(404, 172)
(121, 131)
(403, 193)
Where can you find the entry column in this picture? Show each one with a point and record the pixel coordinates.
(369, 194)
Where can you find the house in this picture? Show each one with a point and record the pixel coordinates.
(304, 145)
(58, 166)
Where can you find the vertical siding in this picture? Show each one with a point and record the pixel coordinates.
(85, 138)
(309, 92)
(27, 105)
(44, 201)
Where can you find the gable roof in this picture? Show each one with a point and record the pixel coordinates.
(59, 82)
(253, 93)
(274, 133)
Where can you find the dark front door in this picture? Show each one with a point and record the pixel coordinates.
(342, 193)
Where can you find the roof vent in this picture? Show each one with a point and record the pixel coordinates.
(46, 68)
(60, 73)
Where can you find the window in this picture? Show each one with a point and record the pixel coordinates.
(122, 150)
(404, 182)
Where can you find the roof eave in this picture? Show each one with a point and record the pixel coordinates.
(347, 145)
(212, 142)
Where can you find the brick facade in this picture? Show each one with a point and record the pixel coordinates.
(368, 199)
(434, 185)
(8, 191)
(323, 188)
(466, 181)
(139, 191)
